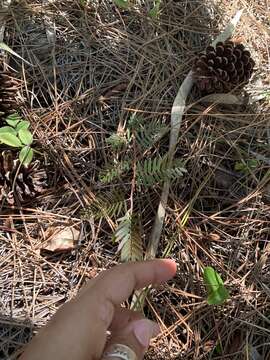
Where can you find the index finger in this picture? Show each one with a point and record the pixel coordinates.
(117, 284)
(78, 330)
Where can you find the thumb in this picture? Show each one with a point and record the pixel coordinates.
(136, 335)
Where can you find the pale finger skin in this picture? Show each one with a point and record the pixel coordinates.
(78, 330)
(122, 317)
(136, 335)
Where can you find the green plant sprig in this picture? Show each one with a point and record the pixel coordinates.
(217, 294)
(16, 134)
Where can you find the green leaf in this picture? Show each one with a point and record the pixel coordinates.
(25, 136)
(153, 13)
(218, 297)
(8, 130)
(245, 167)
(5, 47)
(127, 235)
(13, 119)
(10, 139)
(26, 155)
(252, 163)
(23, 125)
(114, 171)
(122, 3)
(116, 141)
(212, 279)
(239, 166)
(217, 293)
(218, 348)
(105, 205)
(154, 171)
(147, 135)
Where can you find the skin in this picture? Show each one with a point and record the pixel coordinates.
(78, 329)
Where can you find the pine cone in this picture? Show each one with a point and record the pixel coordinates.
(8, 89)
(224, 68)
(19, 183)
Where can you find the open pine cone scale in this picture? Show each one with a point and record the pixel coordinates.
(19, 183)
(223, 68)
(9, 86)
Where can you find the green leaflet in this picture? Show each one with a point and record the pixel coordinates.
(154, 171)
(147, 135)
(106, 204)
(116, 141)
(5, 47)
(122, 3)
(23, 125)
(114, 171)
(25, 136)
(13, 119)
(12, 122)
(18, 135)
(128, 236)
(8, 129)
(246, 166)
(26, 155)
(153, 13)
(216, 291)
(132, 250)
(10, 140)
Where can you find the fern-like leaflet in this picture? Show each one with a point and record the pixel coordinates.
(146, 133)
(114, 172)
(149, 134)
(116, 141)
(127, 235)
(155, 171)
(108, 204)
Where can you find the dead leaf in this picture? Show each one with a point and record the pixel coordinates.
(60, 238)
(227, 99)
(114, 91)
(214, 237)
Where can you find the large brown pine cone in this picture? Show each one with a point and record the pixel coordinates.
(19, 183)
(224, 68)
(9, 86)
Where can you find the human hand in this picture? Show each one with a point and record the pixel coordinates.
(78, 329)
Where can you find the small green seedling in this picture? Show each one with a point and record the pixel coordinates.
(153, 13)
(124, 4)
(116, 141)
(17, 135)
(6, 48)
(245, 167)
(217, 294)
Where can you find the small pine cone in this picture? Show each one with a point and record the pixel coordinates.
(19, 183)
(221, 69)
(9, 86)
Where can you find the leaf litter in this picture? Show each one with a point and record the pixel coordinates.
(91, 50)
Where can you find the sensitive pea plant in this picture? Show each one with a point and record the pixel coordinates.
(217, 294)
(17, 134)
(124, 4)
(247, 166)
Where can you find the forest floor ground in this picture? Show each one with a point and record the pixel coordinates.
(90, 69)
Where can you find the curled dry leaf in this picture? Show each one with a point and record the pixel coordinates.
(61, 238)
(227, 99)
(114, 91)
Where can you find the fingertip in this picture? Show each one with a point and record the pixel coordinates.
(170, 266)
(166, 269)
